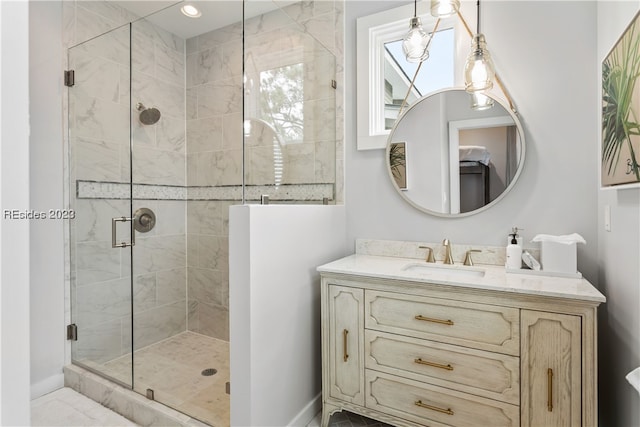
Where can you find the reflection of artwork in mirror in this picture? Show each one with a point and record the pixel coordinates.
(621, 109)
(398, 73)
(398, 163)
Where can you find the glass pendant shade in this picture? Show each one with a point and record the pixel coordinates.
(480, 101)
(444, 8)
(414, 44)
(479, 71)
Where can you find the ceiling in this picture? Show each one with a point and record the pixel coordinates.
(215, 13)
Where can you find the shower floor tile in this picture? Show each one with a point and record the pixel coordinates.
(172, 368)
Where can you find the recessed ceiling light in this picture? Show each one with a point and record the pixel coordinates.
(191, 11)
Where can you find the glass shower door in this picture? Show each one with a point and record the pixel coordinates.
(100, 196)
(186, 93)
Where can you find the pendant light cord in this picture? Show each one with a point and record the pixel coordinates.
(415, 8)
(478, 19)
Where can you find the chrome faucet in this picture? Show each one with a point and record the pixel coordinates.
(448, 259)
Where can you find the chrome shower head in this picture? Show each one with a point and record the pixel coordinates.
(148, 116)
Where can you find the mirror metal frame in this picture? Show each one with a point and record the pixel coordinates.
(521, 159)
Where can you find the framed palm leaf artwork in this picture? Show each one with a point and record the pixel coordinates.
(621, 109)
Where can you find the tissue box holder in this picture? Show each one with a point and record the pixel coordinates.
(558, 257)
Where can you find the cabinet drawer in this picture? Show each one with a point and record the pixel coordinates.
(473, 371)
(420, 402)
(486, 327)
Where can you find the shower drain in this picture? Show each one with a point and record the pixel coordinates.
(209, 372)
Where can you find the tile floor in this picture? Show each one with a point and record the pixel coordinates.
(66, 407)
(347, 419)
(172, 368)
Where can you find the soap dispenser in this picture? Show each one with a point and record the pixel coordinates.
(514, 251)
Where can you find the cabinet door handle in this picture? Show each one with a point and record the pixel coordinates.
(345, 349)
(447, 411)
(430, 319)
(550, 390)
(433, 364)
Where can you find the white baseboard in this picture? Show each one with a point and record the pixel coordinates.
(47, 385)
(307, 413)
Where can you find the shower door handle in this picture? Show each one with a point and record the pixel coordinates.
(114, 221)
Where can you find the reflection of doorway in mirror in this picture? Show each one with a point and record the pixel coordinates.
(495, 137)
(398, 163)
(485, 176)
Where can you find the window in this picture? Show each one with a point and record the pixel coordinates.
(281, 101)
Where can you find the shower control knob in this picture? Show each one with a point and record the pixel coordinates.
(144, 220)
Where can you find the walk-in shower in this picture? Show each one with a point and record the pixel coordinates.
(171, 120)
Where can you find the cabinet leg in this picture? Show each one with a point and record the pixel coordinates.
(327, 411)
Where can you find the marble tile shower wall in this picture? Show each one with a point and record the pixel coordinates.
(159, 157)
(208, 267)
(158, 73)
(99, 106)
(214, 158)
(214, 132)
(302, 35)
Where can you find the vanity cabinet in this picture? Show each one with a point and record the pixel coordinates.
(416, 354)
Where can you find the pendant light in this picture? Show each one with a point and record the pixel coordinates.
(444, 8)
(414, 44)
(479, 71)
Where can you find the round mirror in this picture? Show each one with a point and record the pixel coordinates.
(449, 160)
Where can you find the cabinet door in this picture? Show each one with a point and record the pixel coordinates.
(551, 369)
(346, 342)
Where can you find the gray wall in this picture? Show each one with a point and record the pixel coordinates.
(46, 192)
(14, 234)
(558, 191)
(552, 78)
(619, 265)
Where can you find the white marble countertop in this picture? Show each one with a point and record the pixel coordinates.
(495, 278)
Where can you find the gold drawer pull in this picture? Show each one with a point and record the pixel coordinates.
(345, 350)
(435, 365)
(447, 411)
(550, 390)
(429, 319)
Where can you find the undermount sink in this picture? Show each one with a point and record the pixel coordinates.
(442, 270)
